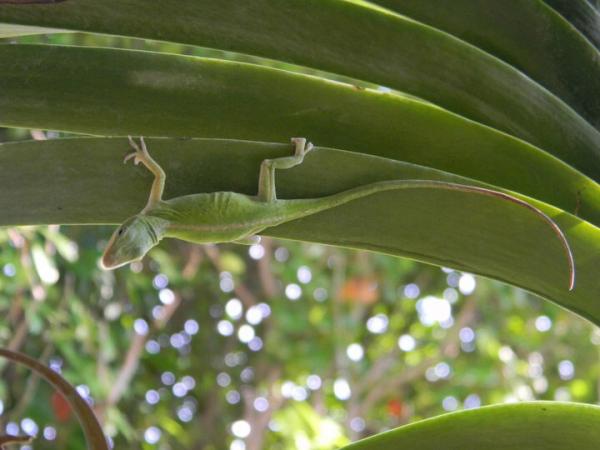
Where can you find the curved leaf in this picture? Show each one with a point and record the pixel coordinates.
(116, 92)
(527, 34)
(83, 181)
(582, 15)
(523, 426)
(367, 44)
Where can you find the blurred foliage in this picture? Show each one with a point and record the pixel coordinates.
(280, 345)
(308, 345)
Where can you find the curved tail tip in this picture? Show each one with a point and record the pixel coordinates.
(572, 280)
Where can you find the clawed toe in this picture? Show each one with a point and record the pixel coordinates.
(135, 156)
(139, 155)
(302, 146)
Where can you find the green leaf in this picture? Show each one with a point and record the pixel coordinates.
(529, 35)
(523, 426)
(84, 181)
(368, 44)
(116, 92)
(582, 15)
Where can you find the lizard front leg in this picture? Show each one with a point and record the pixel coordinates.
(142, 155)
(266, 179)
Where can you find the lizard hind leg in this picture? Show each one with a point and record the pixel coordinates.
(140, 154)
(266, 180)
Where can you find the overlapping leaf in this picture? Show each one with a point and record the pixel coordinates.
(527, 34)
(353, 40)
(116, 92)
(582, 15)
(84, 181)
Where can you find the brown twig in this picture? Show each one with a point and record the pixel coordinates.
(241, 291)
(267, 280)
(193, 262)
(32, 384)
(10, 439)
(132, 358)
(259, 420)
(93, 432)
(449, 347)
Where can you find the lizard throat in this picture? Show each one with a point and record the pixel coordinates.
(155, 228)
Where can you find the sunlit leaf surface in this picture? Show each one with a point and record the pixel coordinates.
(531, 426)
(475, 233)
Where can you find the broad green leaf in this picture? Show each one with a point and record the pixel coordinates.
(521, 426)
(116, 92)
(84, 181)
(582, 15)
(527, 34)
(366, 43)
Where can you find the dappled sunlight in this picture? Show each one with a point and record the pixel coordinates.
(420, 333)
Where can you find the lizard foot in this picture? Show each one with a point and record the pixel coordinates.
(302, 147)
(139, 154)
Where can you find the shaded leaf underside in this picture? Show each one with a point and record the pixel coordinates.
(582, 15)
(527, 34)
(77, 180)
(115, 92)
(367, 44)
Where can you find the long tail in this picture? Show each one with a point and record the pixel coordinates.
(316, 205)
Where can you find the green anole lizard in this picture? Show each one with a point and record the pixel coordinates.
(232, 217)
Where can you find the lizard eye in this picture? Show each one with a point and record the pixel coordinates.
(121, 231)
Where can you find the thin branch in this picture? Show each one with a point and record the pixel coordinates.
(193, 262)
(32, 384)
(241, 291)
(449, 347)
(132, 358)
(267, 280)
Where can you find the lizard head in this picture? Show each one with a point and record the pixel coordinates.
(130, 242)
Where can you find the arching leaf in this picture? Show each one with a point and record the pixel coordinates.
(115, 92)
(84, 181)
(367, 44)
(531, 426)
(527, 34)
(582, 15)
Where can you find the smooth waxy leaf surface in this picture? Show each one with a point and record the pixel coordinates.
(115, 92)
(84, 181)
(527, 34)
(368, 44)
(524, 426)
(582, 15)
